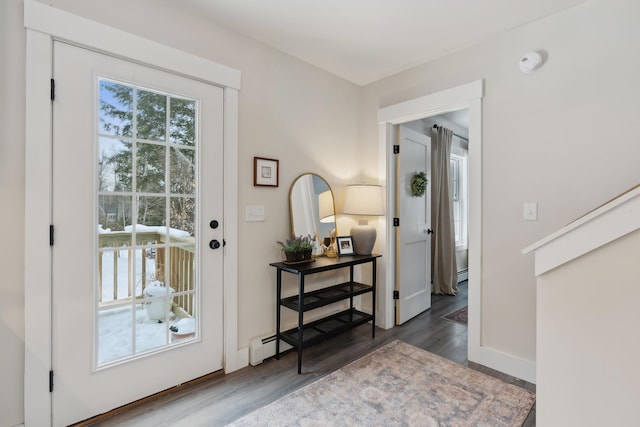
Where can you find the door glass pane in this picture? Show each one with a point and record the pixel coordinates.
(146, 281)
(151, 326)
(151, 213)
(182, 122)
(150, 171)
(116, 109)
(114, 334)
(182, 219)
(114, 164)
(183, 174)
(151, 115)
(114, 214)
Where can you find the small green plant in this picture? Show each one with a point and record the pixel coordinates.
(297, 244)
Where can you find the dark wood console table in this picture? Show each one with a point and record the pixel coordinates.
(305, 335)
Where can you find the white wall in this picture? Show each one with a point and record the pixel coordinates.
(565, 137)
(588, 347)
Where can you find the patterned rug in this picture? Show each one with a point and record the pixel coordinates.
(461, 315)
(399, 385)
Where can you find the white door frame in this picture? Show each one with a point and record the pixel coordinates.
(465, 96)
(43, 25)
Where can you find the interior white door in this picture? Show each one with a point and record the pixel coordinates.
(413, 238)
(137, 185)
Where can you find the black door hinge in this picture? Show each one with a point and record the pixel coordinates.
(51, 235)
(53, 89)
(396, 222)
(396, 149)
(396, 294)
(51, 381)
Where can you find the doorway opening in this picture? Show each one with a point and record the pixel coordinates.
(458, 122)
(467, 96)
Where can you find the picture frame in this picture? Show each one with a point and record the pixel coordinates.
(265, 172)
(345, 245)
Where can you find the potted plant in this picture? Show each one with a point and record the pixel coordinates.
(298, 248)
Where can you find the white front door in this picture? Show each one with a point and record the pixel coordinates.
(137, 210)
(413, 238)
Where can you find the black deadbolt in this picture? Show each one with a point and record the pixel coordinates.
(214, 224)
(214, 244)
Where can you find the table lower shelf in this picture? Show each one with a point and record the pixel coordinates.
(325, 296)
(324, 328)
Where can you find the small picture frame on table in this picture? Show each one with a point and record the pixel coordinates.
(345, 245)
(265, 172)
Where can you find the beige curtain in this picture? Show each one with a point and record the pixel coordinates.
(443, 243)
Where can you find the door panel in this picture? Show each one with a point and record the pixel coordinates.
(131, 259)
(413, 242)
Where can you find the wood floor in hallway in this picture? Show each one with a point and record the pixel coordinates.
(221, 399)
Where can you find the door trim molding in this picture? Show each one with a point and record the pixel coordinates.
(43, 25)
(464, 96)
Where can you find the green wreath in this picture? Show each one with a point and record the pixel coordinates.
(418, 184)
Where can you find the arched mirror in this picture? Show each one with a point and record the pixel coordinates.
(312, 207)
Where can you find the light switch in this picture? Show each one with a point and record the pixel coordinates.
(254, 213)
(530, 211)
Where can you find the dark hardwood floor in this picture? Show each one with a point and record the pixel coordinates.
(221, 399)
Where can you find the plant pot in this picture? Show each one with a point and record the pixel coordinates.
(297, 256)
(289, 256)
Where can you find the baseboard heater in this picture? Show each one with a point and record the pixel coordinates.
(264, 348)
(463, 275)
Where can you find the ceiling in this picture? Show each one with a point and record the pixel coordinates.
(365, 40)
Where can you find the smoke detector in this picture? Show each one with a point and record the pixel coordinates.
(530, 62)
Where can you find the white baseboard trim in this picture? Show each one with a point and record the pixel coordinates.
(507, 363)
(242, 360)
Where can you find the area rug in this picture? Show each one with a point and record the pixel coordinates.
(399, 385)
(461, 315)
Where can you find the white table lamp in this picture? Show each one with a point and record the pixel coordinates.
(363, 200)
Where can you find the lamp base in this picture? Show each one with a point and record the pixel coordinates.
(364, 237)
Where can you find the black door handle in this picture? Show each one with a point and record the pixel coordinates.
(430, 231)
(214, 244)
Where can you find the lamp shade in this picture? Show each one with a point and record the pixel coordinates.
(325, 207)
(362, 199)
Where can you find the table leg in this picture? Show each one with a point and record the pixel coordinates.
(278, 295)
(373, 298)
(300, 319)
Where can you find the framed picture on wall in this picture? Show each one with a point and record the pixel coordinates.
(345, 245)
(265, 172)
